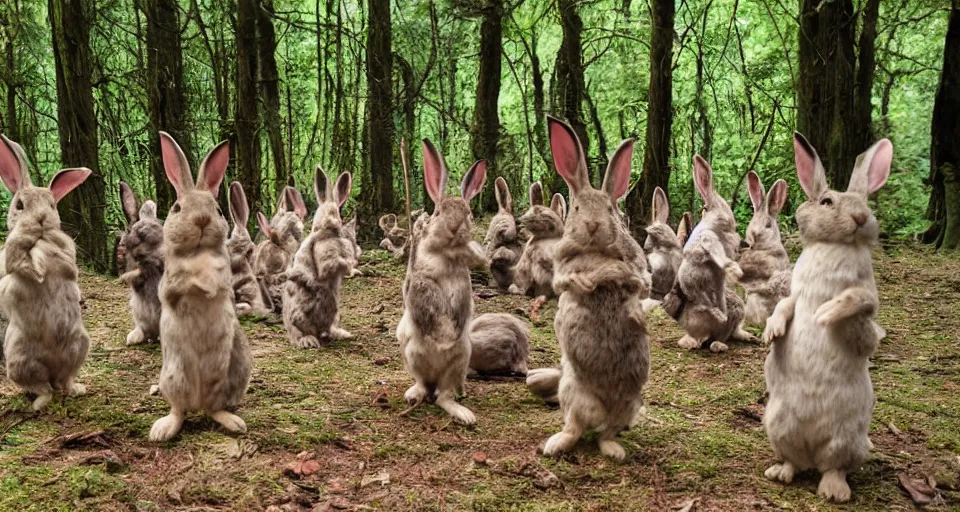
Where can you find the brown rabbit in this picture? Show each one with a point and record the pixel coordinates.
(533, 275)
(45, 342)
(500, 344)
(394, 237)
(142, 244)
(502, 243)
(600, 275)
(206, 357)
(684, 227)
(274, 255)
(764, 261)
(248, 293)
(434, 332)
(663, 247)
(312, 292)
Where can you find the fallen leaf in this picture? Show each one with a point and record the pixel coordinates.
(239, 448)
(480, 457)
(382, 360)
(383, 477)
(920, 492)
(302, 468)
(686, 506)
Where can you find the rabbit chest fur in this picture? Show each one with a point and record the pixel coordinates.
(812, 369)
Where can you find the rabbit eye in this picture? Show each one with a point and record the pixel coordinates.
(20, 204)
(769, 224)
(826, 201)
(176, 208)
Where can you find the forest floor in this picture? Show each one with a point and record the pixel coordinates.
(333, 415)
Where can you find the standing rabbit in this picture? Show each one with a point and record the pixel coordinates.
(206, 357)
(350, 233)
(663, 248)
(248, 292)
(502, 244)
(274, 255)
(311, 295)
(45, 341)
(599, 323)
(434, 332)
(394, 237)
(817, 372)
(500, 344)
(142, 244)
(764, 261)
(533, 275)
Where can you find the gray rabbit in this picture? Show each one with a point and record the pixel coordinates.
(249, 294)
(142, 245)
(764, 261)
(502, 242)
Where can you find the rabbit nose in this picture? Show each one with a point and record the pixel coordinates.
(202, 221)
(593, 226)
(860, 218)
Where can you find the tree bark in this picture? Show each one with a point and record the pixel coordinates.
(570, 84)
(247, 118)
(376, 187)
(944, 206)
(866, 69)
(165, 99)
(486, 119)
(82, 211)
(270, 91)
(656, 154)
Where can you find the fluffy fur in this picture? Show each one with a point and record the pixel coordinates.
(663, 247)
(142, 244)
(45, 342)
(533, 275)
(502, 243)
(248, 293)
(599, 322)
(500, 344)
(764, 261)
(274, 255)
(434, 332)
(821, 398)
(311, 295)
(350, 234)
(206, 357)
(395, 239)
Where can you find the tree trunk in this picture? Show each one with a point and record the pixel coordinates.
(486, 120)
(270, 91)
(165, 99)
(539, 112)
(570, 83)
(82, 211)
(944, 205)
(247, 125)
(10, 124)
(826, 113)
(376, 187)
(866, 69)
(656, 154)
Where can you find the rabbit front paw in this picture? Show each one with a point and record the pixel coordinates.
(776, 327)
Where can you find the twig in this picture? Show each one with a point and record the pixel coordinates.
(405, 159)
(753, 161)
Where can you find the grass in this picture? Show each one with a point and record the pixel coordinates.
(340, 405)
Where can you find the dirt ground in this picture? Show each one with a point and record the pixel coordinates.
(325, 431)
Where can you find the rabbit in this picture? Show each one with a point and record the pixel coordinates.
(311, 294)
(664, 250)
(821, 399)
(142, 244)
(434, 332)
(764, 261)
(544, 383)
(274, 255)
(533, 275)
(394, 237)
(717, 218)
(45, 342)
(206, 356)
(502, 243)
(248, 293)
(500, 344)
(350, 232)
(600, 325)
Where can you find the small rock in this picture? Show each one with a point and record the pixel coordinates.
(382, 360)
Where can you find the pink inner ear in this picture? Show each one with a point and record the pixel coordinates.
(215, 167)
(620, 167)
(806, 165)
(67, 180)
(778, 196)
(755, 188)
(702, 177)
(174, 162)
(661, 206)
(296, 201)
(566, 153)
(879, 169)
(264, 225)
(10, 166)
(344, 186)
(474, 179)
(536, 194)
(434, 171)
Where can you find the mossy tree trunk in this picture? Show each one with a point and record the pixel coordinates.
(485, 132)
(247, 115)
(270, 92)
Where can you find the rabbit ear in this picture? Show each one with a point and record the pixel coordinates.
(128, 201)
(239, 209)
(343, 188)
(661, 206)
(777, 197)
(387, 222)
(559, 205)
(13, 165)
(504, 200)
(321, 185)
(872, 169)
(175, 164)
(616, 181)
(352, 223)
(473, 180)
(810, 171)
(214, 168)
(264, 224)
(434, 171)
(148, 210)
(295, 200)
(756, 190)
(703, 178)
(683, 228)
(536, 194)
(567, 155)
(67, 180)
